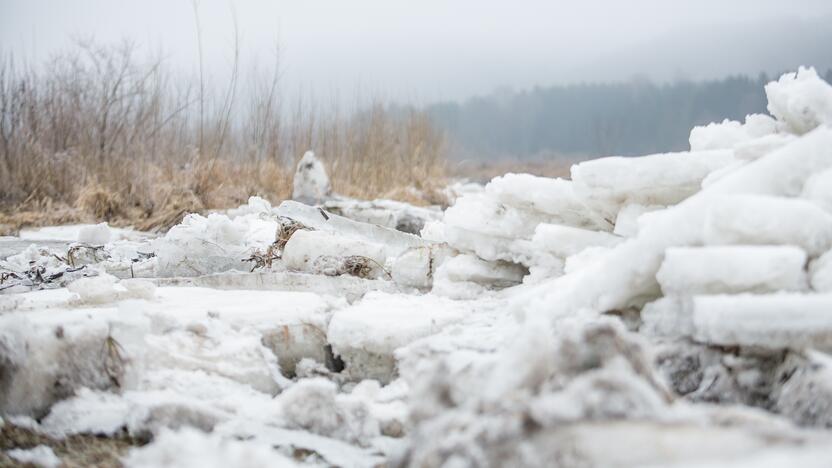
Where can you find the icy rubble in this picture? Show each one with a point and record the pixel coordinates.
(674, 306)
(41, 456)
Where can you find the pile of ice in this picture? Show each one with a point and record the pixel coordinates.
(720, 256)
(664, 310)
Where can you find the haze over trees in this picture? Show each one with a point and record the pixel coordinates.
(594, 119)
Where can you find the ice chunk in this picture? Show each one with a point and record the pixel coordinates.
(349, 287)
(388, 213)
(484, 214)
(105, 288)
(467, 267)
(48, 354)
(818, 188)
(320, 251)
(564, 241)
(394, 242)
(201, 245)
(554, 197)
(761, 220)
(216, 332)
(315, 405)
(730, 133)
(667, 316)
(416, 267)
(735, 269)
(255, 206)
(41, 456)
(96, 290)
(759, 147)
(802, 100)
(608, 184)
(310, 184)
(190, 448)
(95, 234)
(626, 222)
(797, 321)
(821, 273)
(366, 334)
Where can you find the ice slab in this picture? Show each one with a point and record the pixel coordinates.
(349, 287)
(767, 220)
(732, 269)
(565, 241)
(367, 334)
(608, 184)
(787, 320)
(394, 242)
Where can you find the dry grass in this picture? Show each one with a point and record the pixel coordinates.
(74, 451)
(96, 134)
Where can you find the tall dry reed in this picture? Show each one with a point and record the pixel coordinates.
(97, 133)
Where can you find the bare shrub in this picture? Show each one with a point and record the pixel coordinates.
(102, 134)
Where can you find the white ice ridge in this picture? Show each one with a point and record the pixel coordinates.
(664, 310)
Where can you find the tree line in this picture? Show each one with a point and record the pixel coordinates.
(595, 119)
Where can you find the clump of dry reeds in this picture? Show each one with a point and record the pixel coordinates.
(97, 134)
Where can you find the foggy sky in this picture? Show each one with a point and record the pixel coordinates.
(423, 50)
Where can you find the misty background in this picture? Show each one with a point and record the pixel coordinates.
(531, 80)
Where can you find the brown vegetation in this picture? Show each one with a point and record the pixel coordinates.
(97, 134)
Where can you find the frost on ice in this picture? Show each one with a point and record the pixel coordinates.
(665, 310)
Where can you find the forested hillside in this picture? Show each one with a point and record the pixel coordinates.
(583, 120)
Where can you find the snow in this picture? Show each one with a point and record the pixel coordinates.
(41, 456)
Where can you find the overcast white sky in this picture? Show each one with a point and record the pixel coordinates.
(418, 50)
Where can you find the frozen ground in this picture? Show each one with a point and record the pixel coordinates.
(670, 310)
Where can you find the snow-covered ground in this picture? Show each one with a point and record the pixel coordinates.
(664, 310)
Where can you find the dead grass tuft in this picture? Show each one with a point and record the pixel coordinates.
(172, 209)
(100, 202)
